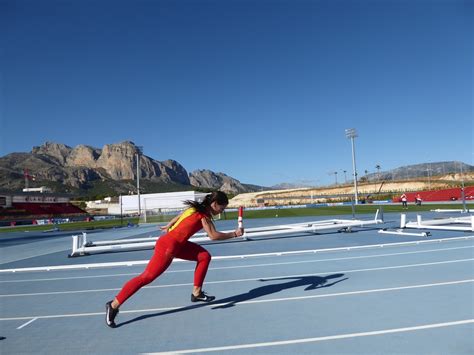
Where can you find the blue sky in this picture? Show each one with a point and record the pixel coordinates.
(259, 90)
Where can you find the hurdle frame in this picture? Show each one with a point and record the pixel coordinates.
(439, 224)
(81, 246)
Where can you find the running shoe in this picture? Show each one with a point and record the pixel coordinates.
(202, 297)
(110, 314)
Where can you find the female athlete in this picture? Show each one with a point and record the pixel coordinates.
(175, 244)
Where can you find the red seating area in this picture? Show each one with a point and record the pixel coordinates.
(48, 209)
(440, 195)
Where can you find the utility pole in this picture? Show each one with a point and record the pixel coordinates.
(138, 153)
(121, 211)
(428, 170)
(335, 175)
(27, 178)
(463, 196)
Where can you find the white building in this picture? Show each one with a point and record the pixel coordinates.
(42, 189)
(158, 202)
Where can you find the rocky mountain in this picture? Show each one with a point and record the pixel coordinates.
(87, 170)
(290, 185)
(112, 168)
(209, 179)
(421, 171)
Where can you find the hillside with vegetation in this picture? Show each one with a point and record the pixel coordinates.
(367, 190)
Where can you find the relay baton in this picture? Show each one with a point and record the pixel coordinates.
(240, 219)
(240, 223)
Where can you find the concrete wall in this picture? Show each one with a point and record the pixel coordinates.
(159, 201)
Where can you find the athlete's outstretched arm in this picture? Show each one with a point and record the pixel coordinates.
(211, 231)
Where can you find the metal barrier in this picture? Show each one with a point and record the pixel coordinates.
(80, 245)
(450, 224)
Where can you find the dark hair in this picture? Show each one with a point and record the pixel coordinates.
(205, 205)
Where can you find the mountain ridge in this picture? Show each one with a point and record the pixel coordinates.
(84, 169)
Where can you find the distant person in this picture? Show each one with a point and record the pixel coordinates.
(418, 200)
(404, 199)
(174, 243)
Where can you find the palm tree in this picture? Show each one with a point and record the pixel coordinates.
(378, 171)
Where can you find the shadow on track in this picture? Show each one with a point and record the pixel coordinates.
(311, 283)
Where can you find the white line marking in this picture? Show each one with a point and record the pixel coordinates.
(350, 293)
(244, 266)
(233, 257)
(298, 298)
(29, 322)
(324, 338)
(83, 277)
(242, 280)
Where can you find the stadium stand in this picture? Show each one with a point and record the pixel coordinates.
(47, 209)
(440, 195)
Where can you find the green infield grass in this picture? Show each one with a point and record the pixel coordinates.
(248, 214)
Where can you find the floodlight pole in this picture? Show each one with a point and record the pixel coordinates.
(351, 133)
(139, 151)
(463, 196)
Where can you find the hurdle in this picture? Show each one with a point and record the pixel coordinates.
(403, 233)
(441, 210)
(81, 246)
(450, 224)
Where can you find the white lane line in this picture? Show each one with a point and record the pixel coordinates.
(245, 266)
(324, 338)
(243, 280)
(234, 257)
(29, 322)
(84, 277)
(297, 298)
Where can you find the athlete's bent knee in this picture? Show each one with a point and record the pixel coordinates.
(204, 257)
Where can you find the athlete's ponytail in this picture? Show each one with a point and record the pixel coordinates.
(205, 206)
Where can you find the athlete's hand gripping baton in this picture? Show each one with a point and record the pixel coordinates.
(240, 223)
(240, 219)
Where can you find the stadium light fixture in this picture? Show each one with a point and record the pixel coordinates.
(351, 134)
